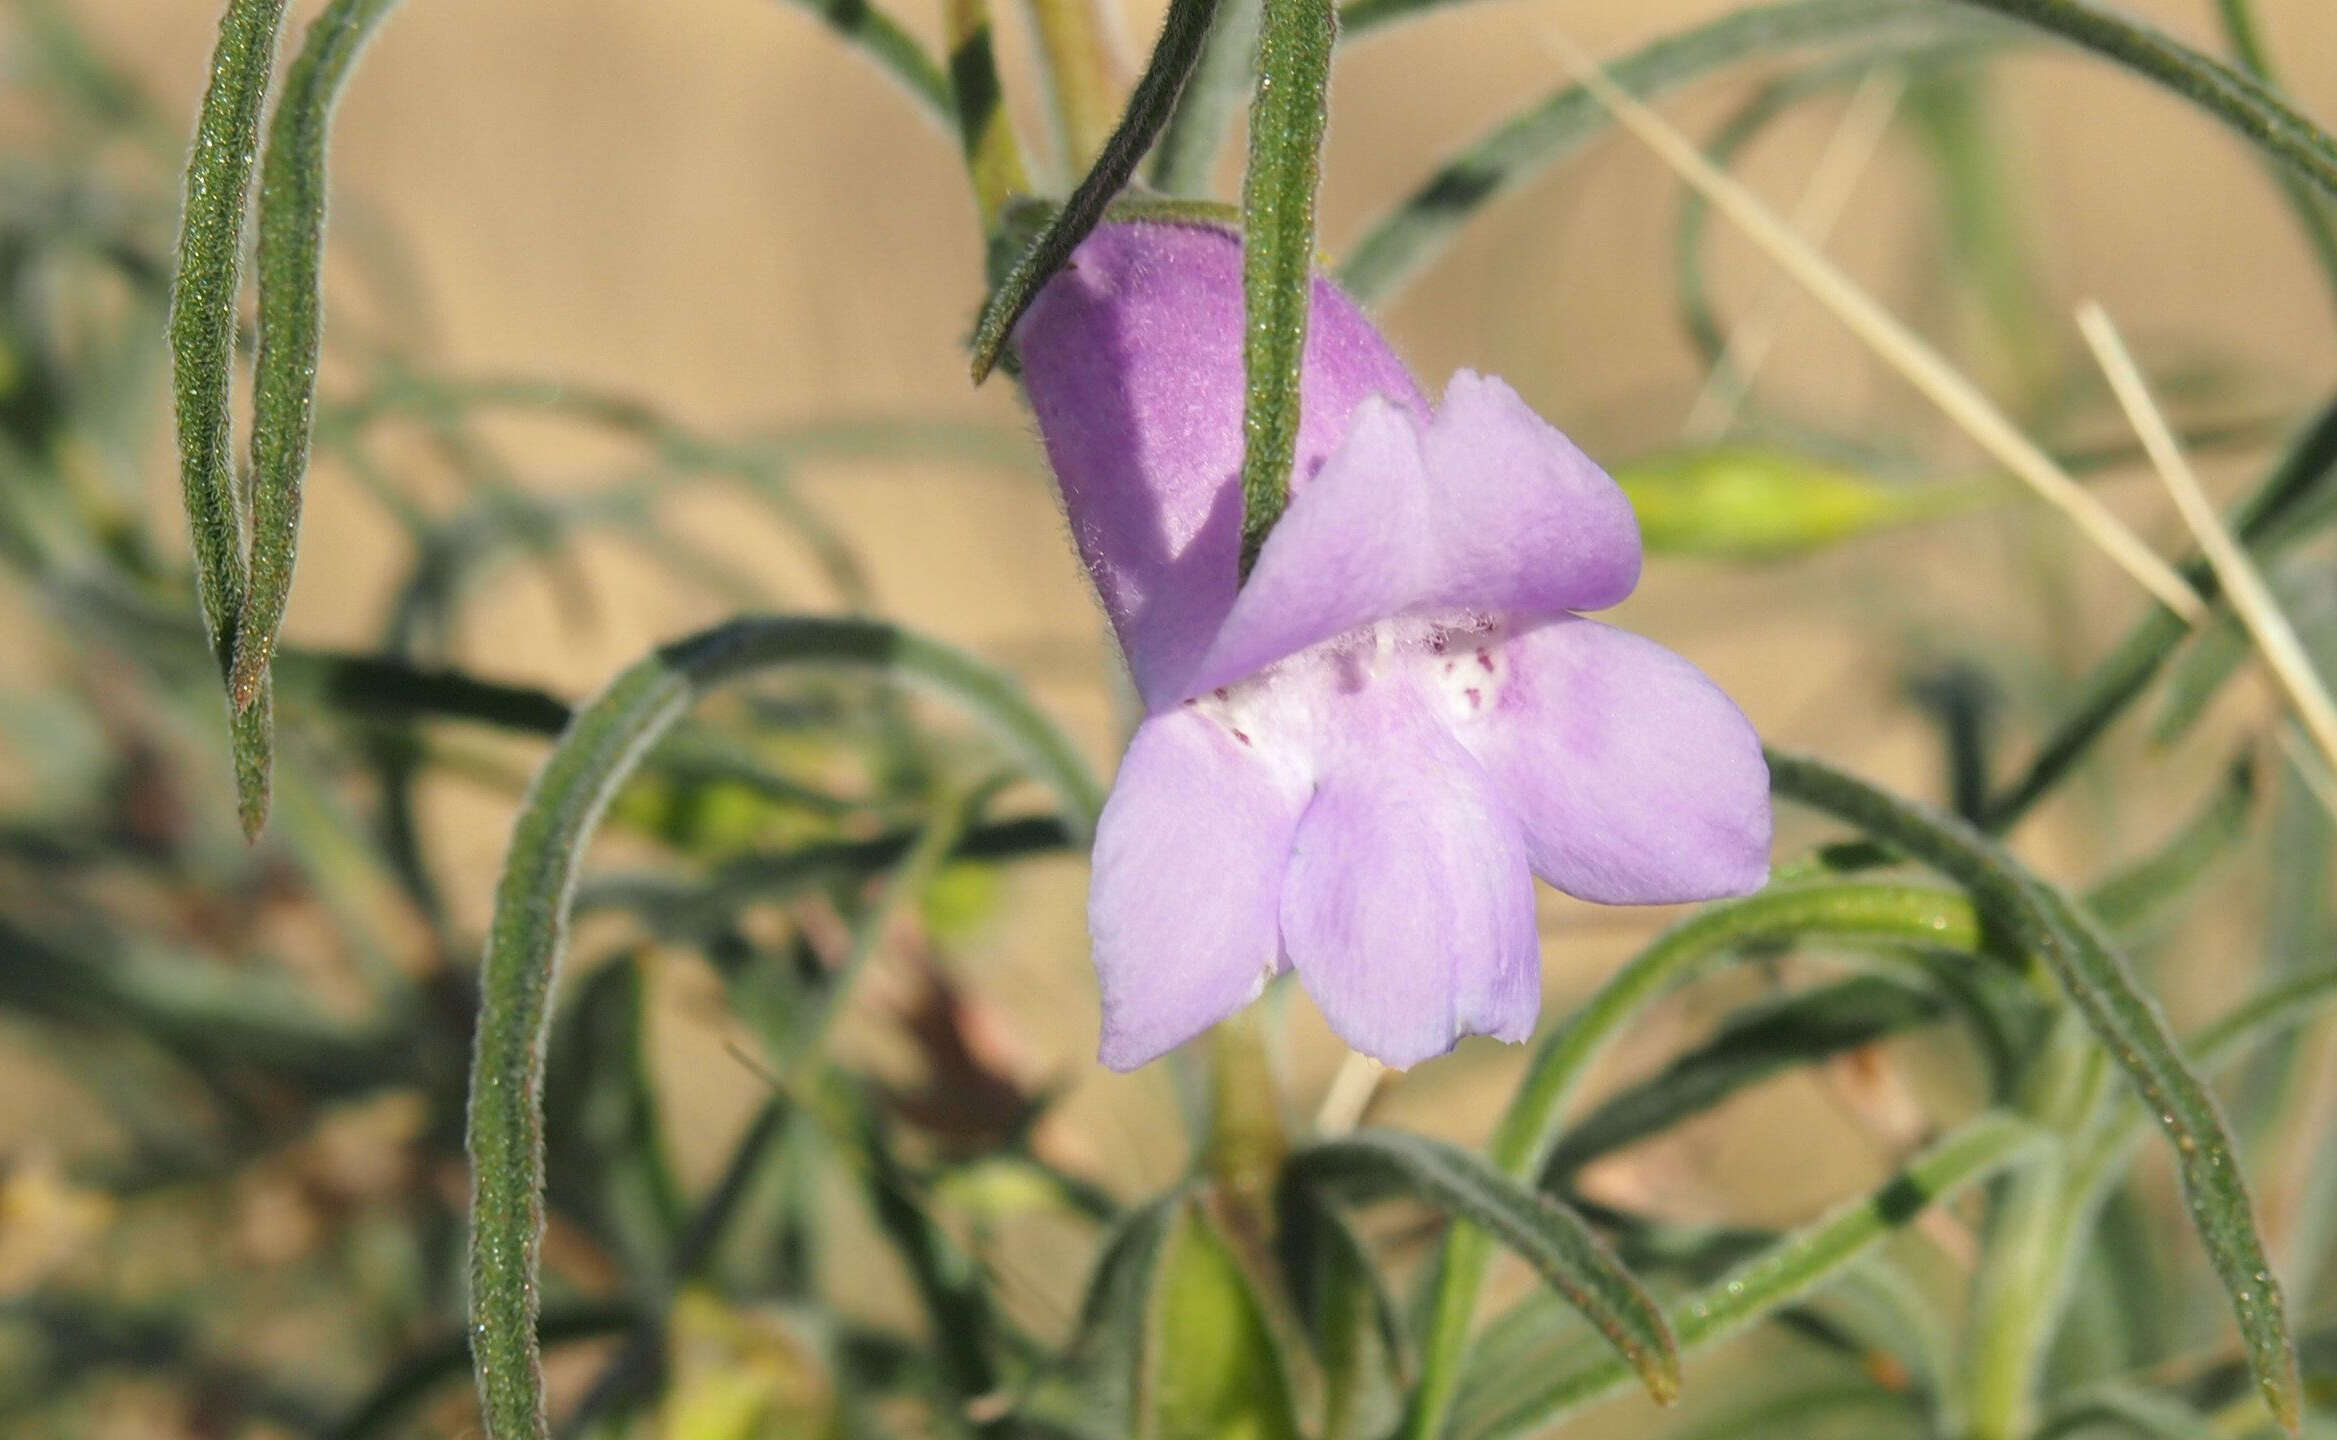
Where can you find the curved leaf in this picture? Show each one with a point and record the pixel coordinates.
(1524, 1399)
(1528, 1132)
(202, 348)
(993, 152)
(2240, 101)
(290, 262)
(603, 744)
(1550, 1237)
(2124, 1019)
(1424, 223)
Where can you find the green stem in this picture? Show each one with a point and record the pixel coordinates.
(1792, 1267)
(1530, 1129)
(2089, 970)
(2034, 1242)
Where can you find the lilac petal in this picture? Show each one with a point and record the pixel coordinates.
(1487, 510)
(1132, 360)
(1350, 550)
(1407, 909)
(1637, 780)
(1183, 905)
(1529, 524)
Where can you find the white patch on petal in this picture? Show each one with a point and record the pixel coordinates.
(1460, 662)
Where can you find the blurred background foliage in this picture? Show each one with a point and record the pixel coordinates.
(643, 316)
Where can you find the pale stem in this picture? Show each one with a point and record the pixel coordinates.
(2276, 639)
(1905, 351)
(1824, 200)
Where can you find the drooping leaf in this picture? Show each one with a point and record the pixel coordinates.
(290, 264)
(1916, 916)
(202, 347)
(1547, 1235)
(603, 744)
(1521, 1399)
(2124, 1019)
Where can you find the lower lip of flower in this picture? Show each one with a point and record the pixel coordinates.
(1458, 663)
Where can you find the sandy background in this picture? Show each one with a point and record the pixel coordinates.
(716, 207)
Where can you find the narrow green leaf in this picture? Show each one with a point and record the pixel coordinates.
(2240, 101)
(1751, 1046)
(1411, 235)
(202, 347)
(601, 748)
(1184, 161)
(1287, 119)
(1519, 1401)
(2220, 649)
(1173, 57)
(2125, 1020)
(2209, 661)
(950, 1284)
(1529, 1130)
(1550, 1237)
(290, 266)
(895, 51)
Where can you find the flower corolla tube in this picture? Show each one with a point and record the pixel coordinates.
(1354, 763)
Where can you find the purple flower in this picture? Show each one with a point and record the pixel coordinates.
(1355, 763)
